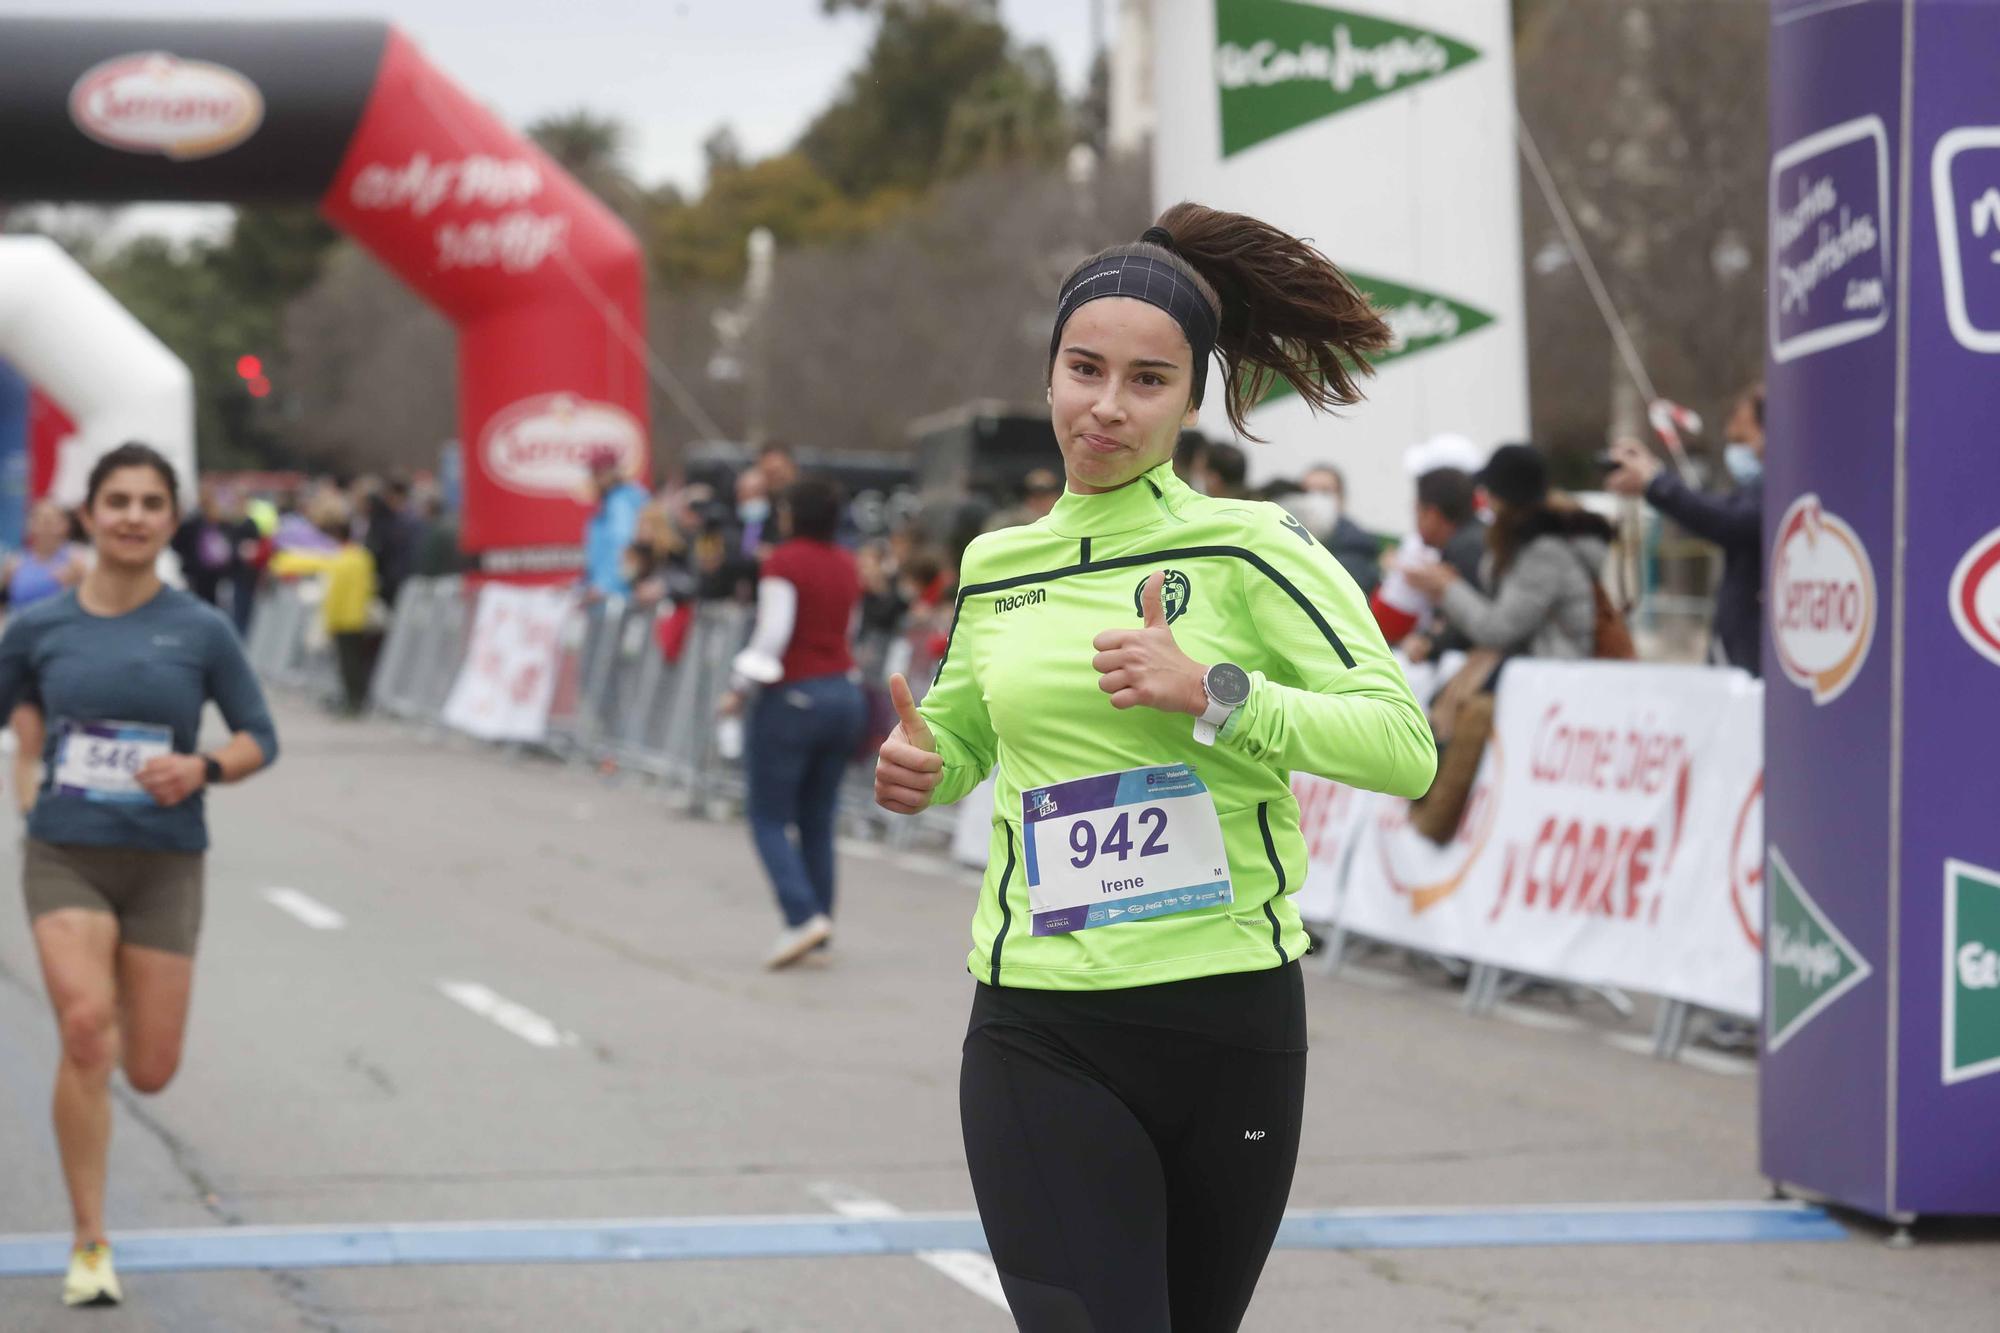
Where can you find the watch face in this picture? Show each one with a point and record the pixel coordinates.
(1228, 684)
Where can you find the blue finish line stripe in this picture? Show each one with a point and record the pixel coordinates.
(819, 1236)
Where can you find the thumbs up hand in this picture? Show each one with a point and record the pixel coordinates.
(908, 768)
(1145, 666)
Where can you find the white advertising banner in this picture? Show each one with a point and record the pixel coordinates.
(1614, 837)
(509, 678)
(1383, 131)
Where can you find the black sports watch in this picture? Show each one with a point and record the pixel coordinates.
(211, 769)
(1228, 689)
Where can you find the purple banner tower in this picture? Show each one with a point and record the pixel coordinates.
(1881, 1074)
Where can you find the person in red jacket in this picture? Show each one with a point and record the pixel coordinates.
(808, 717)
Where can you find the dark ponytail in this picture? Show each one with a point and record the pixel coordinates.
(1283, 310)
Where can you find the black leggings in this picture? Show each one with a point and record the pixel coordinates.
(1131, 1177)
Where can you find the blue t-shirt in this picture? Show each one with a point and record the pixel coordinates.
(35, 579)
(156, 666)
(608, 534)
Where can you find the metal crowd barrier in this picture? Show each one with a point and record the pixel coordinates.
(621, 707)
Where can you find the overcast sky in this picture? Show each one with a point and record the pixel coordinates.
(671, 70)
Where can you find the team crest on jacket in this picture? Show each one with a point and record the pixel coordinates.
(1175, 594)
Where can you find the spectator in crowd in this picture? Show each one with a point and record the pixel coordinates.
(1191, 461)
(655, 561)
(1541, 564)
(349, 611)
(437, 544)
(808, 717)
(779, 468)
(252, 553)
(295, 531)
(1358, 550)
(205, 544)
(1448, 525)
(1040, 490)
(47, 566)
(882, 604)
(612, 523)
(1226, 469)
(390, 540)
(755, 524)
(1733, 521)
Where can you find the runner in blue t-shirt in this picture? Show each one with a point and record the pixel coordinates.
(121, 669)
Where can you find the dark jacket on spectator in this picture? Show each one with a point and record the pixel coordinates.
(1735, 522)
(1359, 552)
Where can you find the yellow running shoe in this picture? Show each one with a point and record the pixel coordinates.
(90, 1280)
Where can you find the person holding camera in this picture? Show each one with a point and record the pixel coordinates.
(1734, 521)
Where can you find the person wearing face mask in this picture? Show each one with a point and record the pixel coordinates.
(1147, 666)
(1733, 521)
(1357, 549)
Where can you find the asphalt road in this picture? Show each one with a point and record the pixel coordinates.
(543, 1003)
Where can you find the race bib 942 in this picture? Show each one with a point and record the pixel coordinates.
(1122, 846)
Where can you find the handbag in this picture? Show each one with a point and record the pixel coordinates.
(1610, 636)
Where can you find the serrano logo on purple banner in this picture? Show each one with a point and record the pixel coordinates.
(1975, 596)
(1965, 195)
(1829, 238)
(1822, 599)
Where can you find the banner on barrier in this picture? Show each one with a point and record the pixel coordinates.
(1614, 836)
(504, 689)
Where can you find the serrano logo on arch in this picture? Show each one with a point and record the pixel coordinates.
(542, 445)
(1975, 596)
(1822, 599)
(152, 102)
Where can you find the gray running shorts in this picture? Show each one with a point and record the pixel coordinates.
(156, 896)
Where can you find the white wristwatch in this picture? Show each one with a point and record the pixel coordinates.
(1228, 689)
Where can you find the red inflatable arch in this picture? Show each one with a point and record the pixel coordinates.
(544, 284)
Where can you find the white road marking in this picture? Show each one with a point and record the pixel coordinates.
(968, 1268)
(1718, 1062)
(1371, 978)
(523, 1022)
(314, 913)
(1713, 1062)
(1529, 1017)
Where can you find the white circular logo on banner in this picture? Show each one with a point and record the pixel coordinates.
(1822, 599)
(152, 102)
(542, 445)
(1975, 596)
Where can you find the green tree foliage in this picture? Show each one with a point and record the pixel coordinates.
(893, 125)
(592, 149)
(941, 93)
(213, 303)
(703, 241)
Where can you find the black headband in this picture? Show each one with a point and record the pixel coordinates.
(1153, 281)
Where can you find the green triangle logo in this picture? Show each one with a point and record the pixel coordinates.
(1420, 320)
(1280, 64)
(1808, 963)
(1971, 971)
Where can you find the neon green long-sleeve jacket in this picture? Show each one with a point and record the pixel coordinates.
(1247, 584)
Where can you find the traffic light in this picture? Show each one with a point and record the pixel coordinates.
(251, 370)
